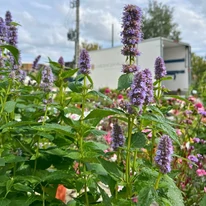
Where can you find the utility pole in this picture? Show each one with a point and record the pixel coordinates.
(112, 35)
(73, 35)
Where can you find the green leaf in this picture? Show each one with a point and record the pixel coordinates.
(46, 135)
(98, 168)
(75, 87)
(147, 196)
(68, 73)
(2, 162)
(74, 155)
(112, 169)
(14, 51)
(99, 94)
(22, 187)
(4, 202)
(14, 23)
(73, 110)
(101, 113)
(97, 132)
(67, 130)
(90, 80)
(174, 195)
(125, 81)
(14, 159)
(203, 201)
(10, 106)
(138, 140)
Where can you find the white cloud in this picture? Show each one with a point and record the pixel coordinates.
(40, 5)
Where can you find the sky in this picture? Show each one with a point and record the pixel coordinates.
(45, 23)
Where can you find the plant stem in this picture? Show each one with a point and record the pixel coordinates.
(81, 141)
(128, 183)
(157, 181)
(134, 162)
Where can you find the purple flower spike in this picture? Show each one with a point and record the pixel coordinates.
(8, 18)
(131, 35)
(127, 68)
(138, 90)
(164, 154)
(47, 78)
(84, 62)
(35, 63)
(12, 35)
(149, 84)
(118, 138)
(61, 61)
(3, 31)
(160, 69)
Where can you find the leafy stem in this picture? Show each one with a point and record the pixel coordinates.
(157, 181)
(128, 182)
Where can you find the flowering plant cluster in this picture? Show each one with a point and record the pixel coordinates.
(57, 150)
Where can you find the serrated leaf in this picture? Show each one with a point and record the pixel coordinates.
(147, 196)
(138, 140)
(125, 81)
(10, 106)
(90, 80)
(174, 195)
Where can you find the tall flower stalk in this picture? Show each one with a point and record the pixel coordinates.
(131, 36)
(163, 156)
(84, 68)
(160, 72)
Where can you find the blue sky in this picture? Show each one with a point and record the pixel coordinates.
(45, 24)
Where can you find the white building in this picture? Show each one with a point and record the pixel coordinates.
(107, 63)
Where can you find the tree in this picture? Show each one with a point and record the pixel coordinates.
(158, 21)
(198, 70)
(90, 46)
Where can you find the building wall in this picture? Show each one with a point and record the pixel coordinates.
(178, 61)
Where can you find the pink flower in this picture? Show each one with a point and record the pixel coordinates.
(108, 137)
(120, 96)
(201, 172)
(205, 189)
(199, 106)
(134, 199)
(107, 91)
(178, 132)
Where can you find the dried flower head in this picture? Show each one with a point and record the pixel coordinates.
(164, 154)
(160, 69)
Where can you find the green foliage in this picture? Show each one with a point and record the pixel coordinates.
(125, 81)
(158, 22)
